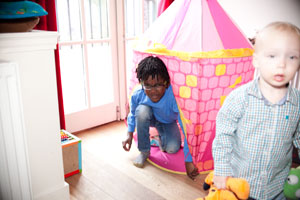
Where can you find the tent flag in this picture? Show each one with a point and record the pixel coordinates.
(207, 56)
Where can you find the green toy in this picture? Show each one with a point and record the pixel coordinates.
(291, 187)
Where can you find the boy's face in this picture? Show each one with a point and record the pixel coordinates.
(155, 88)
(277, 57)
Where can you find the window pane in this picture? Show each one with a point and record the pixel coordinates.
(63, 20)
(135, 12)
(73, 78)
(75, 19)
(100, 74)
(137, 17)
(150, 12)
(133, 18)
(130, 70)
(97, 19)
(69, 25)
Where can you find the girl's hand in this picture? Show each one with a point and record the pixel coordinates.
(127, 142)
(191, 170)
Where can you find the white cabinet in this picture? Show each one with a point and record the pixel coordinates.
(32, 54)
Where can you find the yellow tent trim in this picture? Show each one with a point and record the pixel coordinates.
(237, 81)
(160, 49)
(183, 120)
(206, 172)
(172, 171)
(162, 168)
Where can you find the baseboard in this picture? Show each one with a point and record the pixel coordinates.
(61, 193)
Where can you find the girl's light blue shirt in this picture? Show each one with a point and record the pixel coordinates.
(165, 111)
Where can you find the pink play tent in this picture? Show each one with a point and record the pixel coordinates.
(207, 56)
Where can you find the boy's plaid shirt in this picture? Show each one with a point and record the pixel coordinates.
(254, 139)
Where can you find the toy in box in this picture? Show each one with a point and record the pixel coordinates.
(71, 149)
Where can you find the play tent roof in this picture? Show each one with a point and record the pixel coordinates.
(193, 26)
(207, 56)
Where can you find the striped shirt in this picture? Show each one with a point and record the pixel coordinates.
(254, 139)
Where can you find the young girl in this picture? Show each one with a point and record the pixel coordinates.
(153, 105)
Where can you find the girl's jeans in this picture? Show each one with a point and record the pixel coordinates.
(169, 134)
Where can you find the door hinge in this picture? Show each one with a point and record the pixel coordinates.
(118, 113)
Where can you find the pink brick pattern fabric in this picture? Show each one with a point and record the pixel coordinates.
(207, 56)
(200, 87)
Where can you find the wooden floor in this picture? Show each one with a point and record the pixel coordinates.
(108, 172)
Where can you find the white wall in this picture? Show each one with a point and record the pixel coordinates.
(252, 15)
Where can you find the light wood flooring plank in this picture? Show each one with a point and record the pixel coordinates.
(108, 172)
(82, 188)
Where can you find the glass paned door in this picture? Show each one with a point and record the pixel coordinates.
(89, 74)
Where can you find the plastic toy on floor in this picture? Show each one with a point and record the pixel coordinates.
(237, 188)
(291, 187)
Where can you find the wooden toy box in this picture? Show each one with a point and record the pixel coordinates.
(71, 149)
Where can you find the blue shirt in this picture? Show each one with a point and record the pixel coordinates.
(165, 110)
(254, 139)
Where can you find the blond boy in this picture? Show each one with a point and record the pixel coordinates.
(259, 122)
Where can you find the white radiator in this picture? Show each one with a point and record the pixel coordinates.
(14, 171)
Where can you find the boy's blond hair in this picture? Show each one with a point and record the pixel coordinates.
(277, 26)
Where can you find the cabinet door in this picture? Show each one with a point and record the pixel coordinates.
(14, 172)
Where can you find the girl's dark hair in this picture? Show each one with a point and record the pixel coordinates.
(152, 66)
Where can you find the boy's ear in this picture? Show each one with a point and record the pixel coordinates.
(255, 60)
